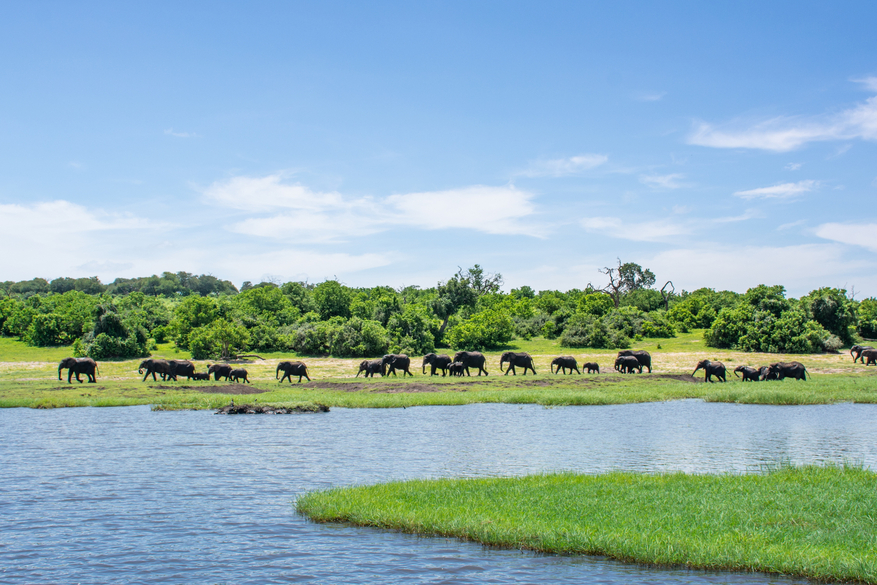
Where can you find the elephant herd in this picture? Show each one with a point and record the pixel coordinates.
(777, 371)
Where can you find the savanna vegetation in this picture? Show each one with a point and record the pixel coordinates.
(210, 318)
(815, 522)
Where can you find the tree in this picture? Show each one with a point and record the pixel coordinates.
(332, 300)
(625, 278)
(481, 282)
(452, 296)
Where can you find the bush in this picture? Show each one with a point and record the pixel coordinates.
(657, 325)
(490, 329)
(413, 331)
(590, 331)
(220, 338)
(359, 337)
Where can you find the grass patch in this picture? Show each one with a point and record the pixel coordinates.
(816, 522)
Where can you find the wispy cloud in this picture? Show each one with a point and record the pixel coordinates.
(662, 181)
(786, 133)
(745, 216)
(855, 234)
(642, 231)
(792, 166)
(170, 132)
(783, 191)
(649, 96)
(562, 167)
(301, 214)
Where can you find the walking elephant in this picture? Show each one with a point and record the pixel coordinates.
(239, 374)
(627, 364)
(520, 360)
(154, 367)
(180, 368)
(591, 367)
(856, 352)
(785, 370)
(370, 367)
(711, 369)
(436, 362)
(471, 359)
(749, 373)
(291, 369)
(220, 371)
(78, 366)
(394, 361)
(765, 374)
(565, 362)
(869, 356)
(642, 356)
(455, 369)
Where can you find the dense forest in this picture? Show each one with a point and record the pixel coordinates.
(212, 318)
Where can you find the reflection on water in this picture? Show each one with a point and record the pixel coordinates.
(129, 495)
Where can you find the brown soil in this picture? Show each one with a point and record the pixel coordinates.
(236, 389)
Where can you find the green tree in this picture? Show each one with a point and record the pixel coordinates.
(490, 329)
(332, 300)
(220, 339)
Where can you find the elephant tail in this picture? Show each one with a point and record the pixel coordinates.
(277, 372)
(96, 369)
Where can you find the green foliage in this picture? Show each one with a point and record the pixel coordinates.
(358, 337)
(192, 313)
(219, 339)
(831, 308)
(657, 324)
(867, 318)
(489, 329)
(586, 330)
(413, 331)
(332, 300)
(644, 299)
(596, 304)
(112, 337)
(300, 295)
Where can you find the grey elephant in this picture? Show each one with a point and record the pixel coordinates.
(516, 359)
(238, 375)
(219, 371)
(400, 361)
(785, 370)
(78, 366)
(765, 374)
(154, 367)
(180, 368)
(749, 373)
(436, 362)
(711, 369)
(565, 362)
(869, 356)
(627, 364)
(592, 367)
(471, 359)
(291, 369)
(856, 351)
(642, 356)
(370, 367)
(456, 369)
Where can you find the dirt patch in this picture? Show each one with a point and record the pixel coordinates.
(236, 389)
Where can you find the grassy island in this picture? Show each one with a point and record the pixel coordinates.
(816, 522)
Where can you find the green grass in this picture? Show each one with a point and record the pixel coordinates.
(816, 522)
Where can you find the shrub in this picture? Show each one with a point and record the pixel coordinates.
(488, 329)
(359, 337)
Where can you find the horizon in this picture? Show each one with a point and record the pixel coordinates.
(388, 144)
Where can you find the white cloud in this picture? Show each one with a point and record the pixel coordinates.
(300, 214)
(786, 133)
(856, 234)
(783, 191)
(792, 166)
(170, 132)
(649, 96)
(662, 181)
(562, 167)
(643, 231)
(746, 215)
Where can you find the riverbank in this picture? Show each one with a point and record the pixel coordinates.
(815, 522)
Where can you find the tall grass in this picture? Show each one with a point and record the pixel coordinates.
(818, 522)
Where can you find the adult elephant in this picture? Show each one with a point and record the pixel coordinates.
(397, 361)
(627, 364)
(520, 360)
(437, 362)
(78, 366)
(856, 352)
(471, 359)
(154, 367)
(219, 371)
(642, 356)
(180, 368)
(291, 369)
(565, 362)
(711, 369)
(869, 356)
(765, 374)
(785, 370)
(749, 373)
(370, 367)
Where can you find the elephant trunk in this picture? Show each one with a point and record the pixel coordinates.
(277, 372)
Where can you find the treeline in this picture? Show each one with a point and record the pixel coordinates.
(211, 318)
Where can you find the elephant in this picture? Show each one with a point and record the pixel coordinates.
(566, 362)
(627, 364)
(370, 367)
(154, 367)
(784, 370)
(180, 368)
(591, 367)
(711, 369)
(856, 351)
(200, 376)
(521, 360)
(78, 366)
(749, 373)
(400, 361)
(471, 359)
(239, 374)
(441, 362)
(456, 369)
(291, 369)
(869, 356)
(642, 356)
(765, 374)
(220, 371)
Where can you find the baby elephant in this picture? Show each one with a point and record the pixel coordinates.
(200, 376)
(749, 373)
(591, 367)
(456, 369)
(238, 375)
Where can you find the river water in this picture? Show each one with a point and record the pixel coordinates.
(127, 495)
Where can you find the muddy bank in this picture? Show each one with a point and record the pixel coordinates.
(268, 409)
(236, 389)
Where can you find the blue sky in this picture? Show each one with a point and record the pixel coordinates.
(719, 144)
